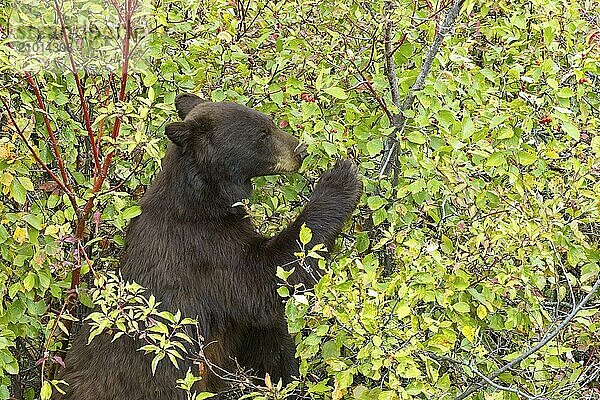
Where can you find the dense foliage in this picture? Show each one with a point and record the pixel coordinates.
(482, 240)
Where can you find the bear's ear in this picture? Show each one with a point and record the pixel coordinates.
(185, 102)
(178, 133)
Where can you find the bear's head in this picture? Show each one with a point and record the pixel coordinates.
(233, 139)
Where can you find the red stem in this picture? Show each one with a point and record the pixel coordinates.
(84, 107)
(59, 160)
(70, 302)
(103, 103)
(80, 231)
(33, 152)
(54, 326)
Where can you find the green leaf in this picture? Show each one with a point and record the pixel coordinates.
(26, 182)
(284, 274)
(204, 395)
(344, 378)
(375, 202)
(4, 393)
(320, 387)
(29, 281)
(34, 220)
(18, 192)
(3, 234)
(85, 299)
(329, 148)
(149, 79)
(462, 307)
(277, 97)
(416, 137)
(447, 246)
(481, 311)
(469, 331)
(374, 146)
(495, 159)
(565, 92)
(131, 212)
(506, 132)
(571, 130)
(155, 361)
(526, 158)
(497, 120)
(379, 216)
(336, 92)
(445, 117)
(468, 128)
(362, 242)
(403, 310)
(218, 95)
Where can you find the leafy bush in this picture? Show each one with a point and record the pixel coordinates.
(477, 234)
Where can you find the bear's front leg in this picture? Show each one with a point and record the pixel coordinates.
(331, 204)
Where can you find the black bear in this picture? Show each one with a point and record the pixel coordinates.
(194, 248)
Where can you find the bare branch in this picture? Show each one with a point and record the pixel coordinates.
(547, 338)
(390, 66)
(476, 371)
(399, 120)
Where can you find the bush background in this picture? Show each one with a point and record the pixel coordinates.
(478, 242)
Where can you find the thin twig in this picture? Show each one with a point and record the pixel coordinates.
(31, 149)
(564, 272)
(367, 83)
(52, 331)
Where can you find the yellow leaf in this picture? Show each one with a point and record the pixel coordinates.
(225, 36)
(6, 179)
(46, 390)
(481, 311)
(402, 310)
(6, 152)
(469, 332)
(20, 235)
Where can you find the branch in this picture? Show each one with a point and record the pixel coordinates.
(390, 66)
(475, 371)
(46, 352)
(84, 107)
(367, 83)
(130, 7)
(129, 10)
(547, 338)
(61, 165)
(399, 120)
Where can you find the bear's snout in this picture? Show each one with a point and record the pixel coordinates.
(290, 152)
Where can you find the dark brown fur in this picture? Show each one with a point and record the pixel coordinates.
(198, 253)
